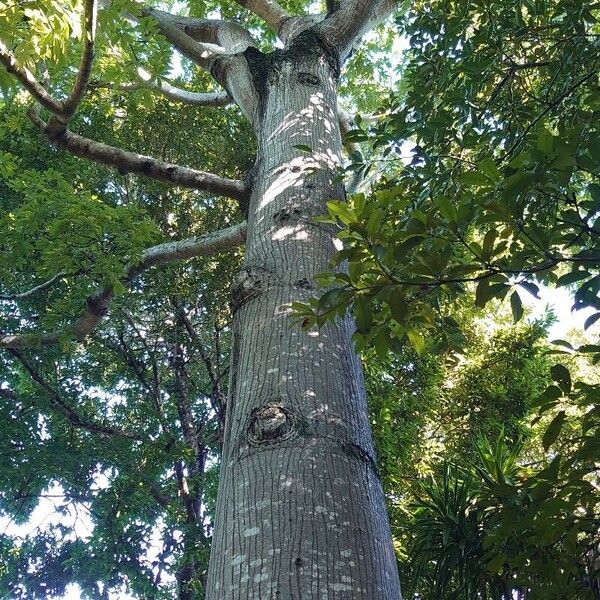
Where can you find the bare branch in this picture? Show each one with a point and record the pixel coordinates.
(198, 342)
(27, 78)
(62, 111)
(62, 407)
(97, 304)
(268, 10)
(34, 290)
(85, 68)
(202, 53)
(131, 162)
(344, 27)
(216, 46)
(173, 93)
(231, 36)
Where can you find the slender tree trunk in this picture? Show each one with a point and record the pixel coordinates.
(300, 512)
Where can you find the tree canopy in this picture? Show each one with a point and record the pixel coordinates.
(472, 133)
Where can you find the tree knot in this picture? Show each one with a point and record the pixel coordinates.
(249, 283)
(291, 212)
(269, 424)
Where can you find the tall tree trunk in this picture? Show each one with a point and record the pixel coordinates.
(300, 512)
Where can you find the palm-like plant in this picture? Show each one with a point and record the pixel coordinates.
(446, 550)
(452, 514)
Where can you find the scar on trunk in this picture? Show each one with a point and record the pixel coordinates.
(270, 423)
(249, 283)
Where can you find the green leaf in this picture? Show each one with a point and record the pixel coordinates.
(591, 320)
(447, 209)
(552, 392)
(516, 306)
(374, 222)
(594, 191)
(474, 178)
(486, 291)
(563, 343)
(519, 182)
(398, 307)
(488, 166)
(545, 142)
(488, 243)
(561, 375)
(551, 434)
(417, 341)
(363, 314)
(572, 277)
(532, 288)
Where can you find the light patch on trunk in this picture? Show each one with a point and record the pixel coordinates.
(294, 172)
(287, 482)
(296, 232)
(251, 531)
(341, 587)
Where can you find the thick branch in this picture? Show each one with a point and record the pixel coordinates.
(229, 35)
(268, 10)
(130, 162)
(221, 55)
(58, 122)
(174, 93)
(344, 27)
(30, 83)
(97, 304)
(202, 53)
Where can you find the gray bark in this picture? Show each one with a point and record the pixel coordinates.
(300, 510)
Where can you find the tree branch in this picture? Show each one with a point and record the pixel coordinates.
(59, 122)
(28, 80)
(216, 46)
(229, 35)
(346, 125)
(268, 10)
(130, 162)
(344, 27)
(202, 53)
(69, 413)
(62, 111)
(173, 93)
(97, 304)
(34, 290)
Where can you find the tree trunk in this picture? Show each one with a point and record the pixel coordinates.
(300, 511)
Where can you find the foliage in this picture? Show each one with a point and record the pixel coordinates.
(488, 154)
(502, 524)
(491, 152)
